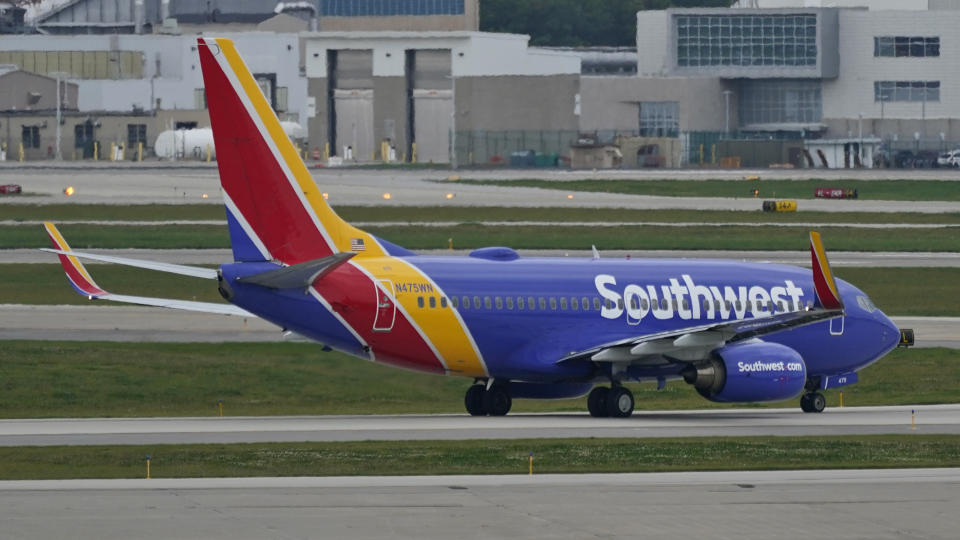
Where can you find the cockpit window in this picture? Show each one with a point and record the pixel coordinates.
(865, 304)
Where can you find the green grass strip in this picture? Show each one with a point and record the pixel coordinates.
(891, 190)
(894, 290)
(468, 236)
(481, 457)
(465, 214)
(49, 379)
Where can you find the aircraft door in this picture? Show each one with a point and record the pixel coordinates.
(386, 308)
(836, 326)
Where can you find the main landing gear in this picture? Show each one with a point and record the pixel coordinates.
(813, 402)
(615, 402)
(493, 401)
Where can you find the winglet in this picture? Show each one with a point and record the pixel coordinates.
(828, 296)
(76, 273)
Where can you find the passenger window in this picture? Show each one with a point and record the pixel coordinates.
(487, 302)
(608, 303)
(476, 302)
(644, 304)
(466, 302)
(596, 304)
(620, 303)
(553, 303)
(781, 306)
(530, 303)
(664, 304)
(509, 301)
(706, 305)
(520, 302)
(443, 301)
(433, 301)
(634, 302)
(586, 303)
(542, 302)
(771, 306)
(574, 303)
(498, 302)
(563, 303)
(686, 304)
(420, 301)
(738, 304)
(454, 302)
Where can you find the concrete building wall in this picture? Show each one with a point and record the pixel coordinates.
(390, 111)
(171, 68)
(852, 94)
(653, 43)
(611, 103)
(24, 91)
(525, 103)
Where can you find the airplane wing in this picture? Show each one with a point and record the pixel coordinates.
(697, 342)
(84, 284)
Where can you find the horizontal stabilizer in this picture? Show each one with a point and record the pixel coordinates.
(183, 270)
(298, 276)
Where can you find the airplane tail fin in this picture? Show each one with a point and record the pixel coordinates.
(275, 211)
(828, 295)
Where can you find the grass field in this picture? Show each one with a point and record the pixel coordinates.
(481, 457)
(895, 290)
(45, 379)
(466, 214)
(893, 190)
(468, 235)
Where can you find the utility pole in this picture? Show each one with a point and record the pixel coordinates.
(60, 75)
(726, 114)
(453, 122)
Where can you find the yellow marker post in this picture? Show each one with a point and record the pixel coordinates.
(326, 151)
(140, 151)
(96, 150)
(413, 152)
(531, 463)
(148, 467)
(220, 406)
(123, 151)
(841, 400)
(450, 243)
(913, 419)
(21, 152)
(113, 151)
(208, 153)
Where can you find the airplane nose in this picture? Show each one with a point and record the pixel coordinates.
(889, 333)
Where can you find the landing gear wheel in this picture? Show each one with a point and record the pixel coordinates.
(814, 402)
(497, 401)
(597, 401)
(474, 400)
(619, 402)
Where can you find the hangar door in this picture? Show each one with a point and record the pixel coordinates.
(432, 104)
(432, 124)
(353, 103)
(354, 123)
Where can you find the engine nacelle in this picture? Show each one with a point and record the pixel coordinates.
(748, 372)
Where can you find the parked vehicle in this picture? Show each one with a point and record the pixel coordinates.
(903, 159)
(10, 189)
(949, 159)
(925, 159)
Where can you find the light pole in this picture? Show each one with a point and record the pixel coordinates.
(59, 75)
(726, 112)
(453, 121)
(860, 135)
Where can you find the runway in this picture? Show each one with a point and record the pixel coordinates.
(862, 504)
(102, 321)
(366, 187)
(929, 419)
(871, 259)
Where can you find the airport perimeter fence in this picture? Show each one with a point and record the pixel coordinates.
(513, 148)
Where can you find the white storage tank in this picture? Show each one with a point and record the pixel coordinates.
(196, 143)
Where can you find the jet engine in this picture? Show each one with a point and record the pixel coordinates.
(748, 372)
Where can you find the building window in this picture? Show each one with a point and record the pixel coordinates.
(746, 40)
(136, 133)
(31, 136)
(780, 101)
(659, 119)
(904, 46)
(885, 91)
(381, 8)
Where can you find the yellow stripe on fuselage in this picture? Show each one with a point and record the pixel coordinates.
(824, 264)
(339, 230)
(440, 324)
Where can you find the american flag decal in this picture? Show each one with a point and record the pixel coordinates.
(356, 244)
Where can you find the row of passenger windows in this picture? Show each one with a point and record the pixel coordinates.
(584, 303)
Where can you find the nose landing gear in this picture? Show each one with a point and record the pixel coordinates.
(813, 402)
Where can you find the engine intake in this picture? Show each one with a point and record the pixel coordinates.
(749, 372)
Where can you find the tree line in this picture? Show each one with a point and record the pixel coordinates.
(575, 23)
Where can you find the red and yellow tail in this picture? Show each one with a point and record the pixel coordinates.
(274, 208)
(77, 274)
(828, 296)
